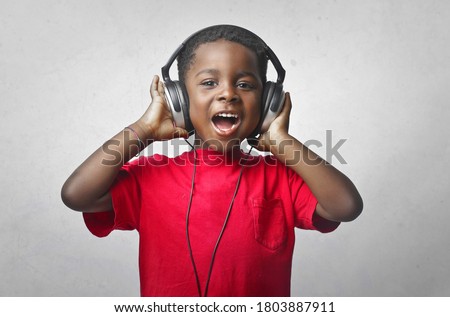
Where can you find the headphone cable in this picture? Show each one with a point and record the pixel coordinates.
(187, 221)
(221, 231)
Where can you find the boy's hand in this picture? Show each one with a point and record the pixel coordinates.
(278, 129)
(157, 122)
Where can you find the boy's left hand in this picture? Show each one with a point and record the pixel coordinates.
(278, 129)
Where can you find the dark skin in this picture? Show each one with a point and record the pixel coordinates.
(223, 79)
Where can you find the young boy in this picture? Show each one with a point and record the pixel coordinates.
(213, 221)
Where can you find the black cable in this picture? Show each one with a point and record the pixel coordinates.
(221, 231)
(187, 221)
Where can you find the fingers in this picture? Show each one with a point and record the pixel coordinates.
(286, 111)
(161, 88)
(157, 88)
(154, 87)
(287, 106)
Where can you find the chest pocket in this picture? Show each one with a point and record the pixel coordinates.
(269, 223)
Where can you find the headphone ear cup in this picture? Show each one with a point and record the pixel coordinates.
(273, 100)
(178, 101)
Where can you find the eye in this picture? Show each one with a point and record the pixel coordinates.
(208, 83)
(245, 85)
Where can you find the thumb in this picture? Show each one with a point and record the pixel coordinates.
(154, 87)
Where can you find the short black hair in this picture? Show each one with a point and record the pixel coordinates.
(227, 32)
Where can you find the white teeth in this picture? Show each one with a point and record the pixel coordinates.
(229, 115)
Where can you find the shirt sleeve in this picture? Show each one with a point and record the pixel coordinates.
(126, 200)
(305, 206)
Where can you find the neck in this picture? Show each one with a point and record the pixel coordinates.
(224, 147)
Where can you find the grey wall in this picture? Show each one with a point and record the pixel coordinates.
(73, 73)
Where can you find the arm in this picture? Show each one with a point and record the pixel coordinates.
(338, 199)
(87, 189)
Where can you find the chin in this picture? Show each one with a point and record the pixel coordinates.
(223, 146)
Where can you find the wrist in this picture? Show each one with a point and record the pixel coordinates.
(277, 142)
(141, 133)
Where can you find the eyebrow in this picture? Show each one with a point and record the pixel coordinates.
(213, 71)
(207, 71)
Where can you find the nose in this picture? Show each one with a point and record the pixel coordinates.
(227, 93)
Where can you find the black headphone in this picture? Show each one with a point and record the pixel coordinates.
(178, 99)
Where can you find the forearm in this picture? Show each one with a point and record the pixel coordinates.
(87, 189)
(90, 182)
(338, 198)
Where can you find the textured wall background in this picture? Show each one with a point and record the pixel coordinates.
(73, 73)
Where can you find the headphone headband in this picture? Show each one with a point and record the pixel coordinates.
(270, 54)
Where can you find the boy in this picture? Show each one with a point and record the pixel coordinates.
(213, 221)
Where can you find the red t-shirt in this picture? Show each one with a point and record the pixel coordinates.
(254, 257)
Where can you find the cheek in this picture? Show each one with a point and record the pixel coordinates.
(256, 109)
(198, 107)
(257, 116)
(197, 98)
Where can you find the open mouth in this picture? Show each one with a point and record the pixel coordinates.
(225, 122)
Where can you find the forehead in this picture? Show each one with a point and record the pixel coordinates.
(222, 54)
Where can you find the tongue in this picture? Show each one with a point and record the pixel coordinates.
(223, 123)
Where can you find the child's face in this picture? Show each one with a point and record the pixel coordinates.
(225, 90)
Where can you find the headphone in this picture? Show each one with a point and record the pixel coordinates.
(178, 99)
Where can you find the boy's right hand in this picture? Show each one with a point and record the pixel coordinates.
(157, 122)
